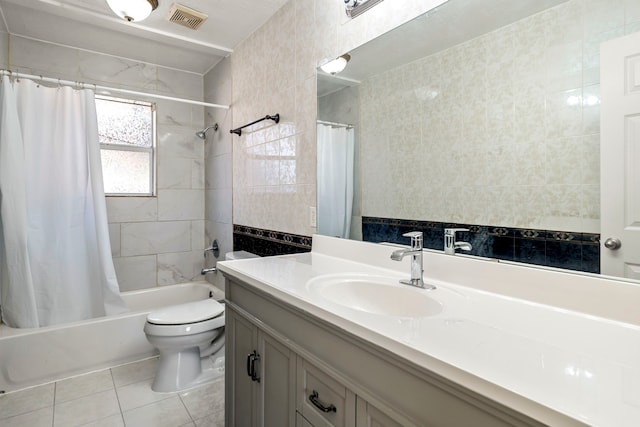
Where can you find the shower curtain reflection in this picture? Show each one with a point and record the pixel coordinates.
(55, 255)
(335, 179)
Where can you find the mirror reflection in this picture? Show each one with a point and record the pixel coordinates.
(480, 114)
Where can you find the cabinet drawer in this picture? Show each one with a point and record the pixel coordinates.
(322, 400)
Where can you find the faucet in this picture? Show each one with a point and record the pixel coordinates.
(416, 260)
(450, 244)
(215, 250)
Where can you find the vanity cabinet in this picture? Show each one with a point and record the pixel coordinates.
(262, 371)
(309, 372)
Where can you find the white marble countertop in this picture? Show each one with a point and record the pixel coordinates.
(577, 364)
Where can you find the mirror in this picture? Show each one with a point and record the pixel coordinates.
(481, 114)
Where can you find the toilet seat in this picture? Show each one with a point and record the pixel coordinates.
(191, 312)
(186, 319)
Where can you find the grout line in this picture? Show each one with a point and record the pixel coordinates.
(53, 415)
(115, 389)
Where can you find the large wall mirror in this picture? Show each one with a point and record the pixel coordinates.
(481, 113)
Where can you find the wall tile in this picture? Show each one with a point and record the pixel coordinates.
(174, 173)
(145, 238)
(179, 267)
(180, 205)
(114, 238)
(132, 209)
(135, 272)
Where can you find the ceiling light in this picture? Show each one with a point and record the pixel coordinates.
(133, 10)
(336, 65)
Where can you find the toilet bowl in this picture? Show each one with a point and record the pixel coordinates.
(186, 335)
(190, 340)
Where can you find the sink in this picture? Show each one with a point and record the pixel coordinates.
(374, 294)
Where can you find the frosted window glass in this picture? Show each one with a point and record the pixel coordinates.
(124, 123)
(126, 134)
(126, 171)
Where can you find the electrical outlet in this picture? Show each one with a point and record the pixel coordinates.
(312, 216)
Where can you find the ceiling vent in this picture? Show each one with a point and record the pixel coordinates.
(185, 16)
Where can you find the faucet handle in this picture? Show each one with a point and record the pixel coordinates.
(416, 239)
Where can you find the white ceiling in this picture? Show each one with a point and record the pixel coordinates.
(91, 25)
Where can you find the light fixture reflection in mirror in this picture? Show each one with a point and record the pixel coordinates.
(336, 65)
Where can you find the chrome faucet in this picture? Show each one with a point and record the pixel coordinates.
(208, 270)
(416, 260)
(450, 244)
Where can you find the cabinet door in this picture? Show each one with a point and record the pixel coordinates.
(301, 421)
(322, 400)
(241, 392)
(370, 416)
(278, 382)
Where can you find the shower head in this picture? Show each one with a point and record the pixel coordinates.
(202, 134)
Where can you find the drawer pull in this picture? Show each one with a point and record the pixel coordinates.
(313, 397)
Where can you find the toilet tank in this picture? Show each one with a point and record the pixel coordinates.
(239, 255)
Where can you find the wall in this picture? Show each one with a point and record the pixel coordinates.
(274, 72)
(218, 161)
(154, 240)
(506, 126)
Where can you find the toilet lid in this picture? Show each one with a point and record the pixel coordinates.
(191, 312)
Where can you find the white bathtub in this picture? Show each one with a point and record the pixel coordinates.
(35, 356)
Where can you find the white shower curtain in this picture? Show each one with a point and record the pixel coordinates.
(336, 147)
(55, 255)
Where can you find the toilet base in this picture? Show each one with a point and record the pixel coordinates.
(184, 370)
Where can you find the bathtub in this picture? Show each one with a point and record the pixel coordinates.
(39, 355)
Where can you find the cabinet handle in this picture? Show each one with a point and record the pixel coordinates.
(252, 358)
(313, 397)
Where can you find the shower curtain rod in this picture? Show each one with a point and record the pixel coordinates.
(107, 88)
(342, 125)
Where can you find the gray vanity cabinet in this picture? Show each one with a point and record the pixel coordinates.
(322, 400)
(285, 367)
(262, 373)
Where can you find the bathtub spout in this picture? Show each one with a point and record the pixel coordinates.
(208, 270)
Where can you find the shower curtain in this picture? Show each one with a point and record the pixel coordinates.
(55, 255)
(336, 147)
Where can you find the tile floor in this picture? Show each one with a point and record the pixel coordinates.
(115, 397)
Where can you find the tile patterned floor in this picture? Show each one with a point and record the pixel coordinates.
(115, 397)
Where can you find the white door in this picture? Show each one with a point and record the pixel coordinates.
(620, 156)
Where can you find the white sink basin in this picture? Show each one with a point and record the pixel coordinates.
(375, 295)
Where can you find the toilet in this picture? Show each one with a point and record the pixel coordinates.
(190, 340)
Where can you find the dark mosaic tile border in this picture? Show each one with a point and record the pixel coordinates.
(268, 242)
(573, 251)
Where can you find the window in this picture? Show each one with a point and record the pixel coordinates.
(126, 131)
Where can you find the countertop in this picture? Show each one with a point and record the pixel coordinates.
(516, 350)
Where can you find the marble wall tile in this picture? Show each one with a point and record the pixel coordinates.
(132, 209)
(219, 205)
(174, 172)
(37, 58)
(136, 272)
(179, 267)
(180, 205)
(4, 53)
(116, 71)
(145, 238)
(114, 239)
(198, 242)
(179, 83)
